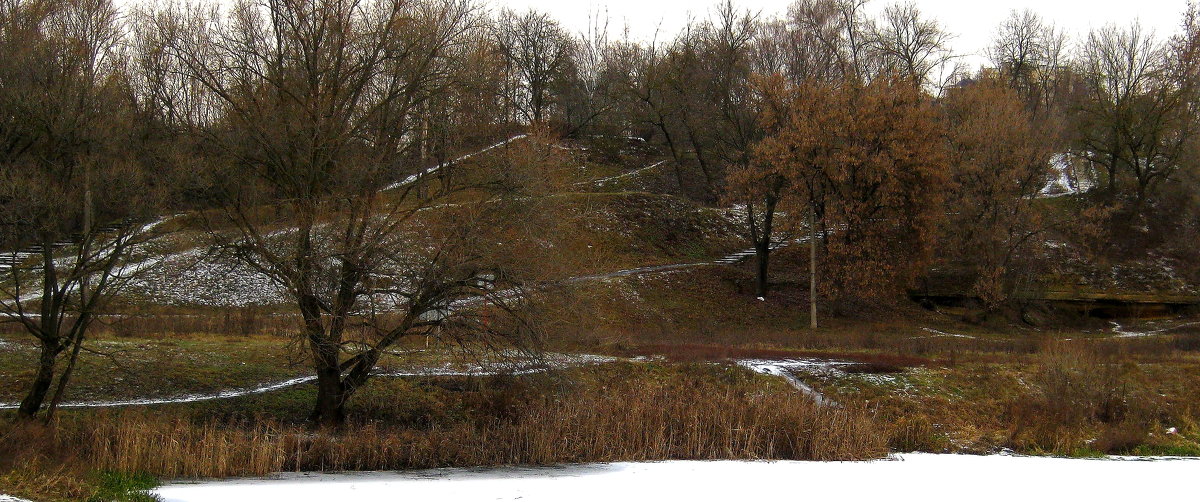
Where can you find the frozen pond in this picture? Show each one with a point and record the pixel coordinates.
(923, 477)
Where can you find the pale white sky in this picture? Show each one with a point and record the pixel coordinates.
(973, 22)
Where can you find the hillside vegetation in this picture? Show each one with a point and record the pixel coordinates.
(320, 235)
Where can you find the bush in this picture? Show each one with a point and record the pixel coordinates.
(1083, 399)
(1074, 384)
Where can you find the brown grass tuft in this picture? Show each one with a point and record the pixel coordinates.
(654, 415)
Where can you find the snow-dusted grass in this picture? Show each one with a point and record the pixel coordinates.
(923, 477)
(551, 361)
(785, 369)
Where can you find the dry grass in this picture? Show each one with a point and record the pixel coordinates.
(697, 413)
(867, 362)
(1083, 398)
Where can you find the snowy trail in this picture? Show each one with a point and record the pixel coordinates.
(123, 270)
(187, 398)
(784, 369)
(8, 259)
(413, 178)
(604, 181)
(563, 361)
(917, 477)
(934, 333)
(780, 368)
(1121, 332)
(729, 259)
(274, 386)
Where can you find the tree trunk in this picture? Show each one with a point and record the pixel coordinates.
(762, 242)
(77, 344)
(330, 405)
(330, 411)
(762, 253)
(41, 382)
(325, 350)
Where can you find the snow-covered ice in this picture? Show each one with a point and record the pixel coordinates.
(923, 477)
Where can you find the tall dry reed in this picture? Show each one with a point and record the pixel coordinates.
(625, 422)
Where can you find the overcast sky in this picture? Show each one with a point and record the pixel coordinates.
(973, 22)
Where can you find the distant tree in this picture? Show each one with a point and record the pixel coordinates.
(696, 93)
(907, 44)
(827, 40)
(999, 161)
(538, 52)
(1030, 54)
(651, 99)
(75, 197)
(1132, 120)
(811, 42)
(590, 89)
(870, 159)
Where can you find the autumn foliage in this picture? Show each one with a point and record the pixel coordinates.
(1000, 158)
(871, 164)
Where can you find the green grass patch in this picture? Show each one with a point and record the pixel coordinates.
(114, 486)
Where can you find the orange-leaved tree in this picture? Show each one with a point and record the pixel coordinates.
(869, 160)
(1001, 160)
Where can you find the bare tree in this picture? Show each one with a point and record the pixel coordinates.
(806, 45)
(73, 196)
(538, 51)
(831, 40)
(908, 44)
(590, 86)
(1029, 53)
(1132, 120)
(317, 105)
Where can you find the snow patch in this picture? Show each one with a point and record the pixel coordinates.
(786, 369)
(549, 362)
(942, 334)
(1063, 179)
(1122, 332)
(916, 477)
(604, 181)
(413, 178)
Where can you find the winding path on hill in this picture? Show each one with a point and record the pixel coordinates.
(782, 369)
